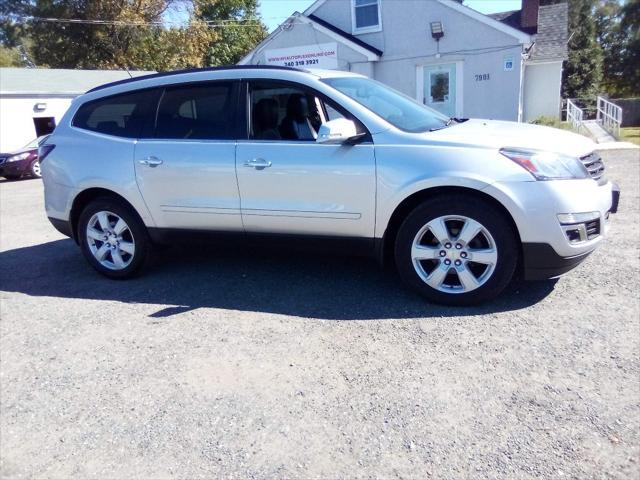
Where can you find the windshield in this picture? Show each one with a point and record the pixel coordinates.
(399, 110)
(35, 143)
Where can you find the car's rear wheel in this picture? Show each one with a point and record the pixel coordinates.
(34, 169)
(113, 238)
(457, 250)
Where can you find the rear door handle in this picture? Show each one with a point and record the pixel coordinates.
(257, 163)
(150, 161)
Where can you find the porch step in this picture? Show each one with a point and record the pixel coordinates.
(595, 131)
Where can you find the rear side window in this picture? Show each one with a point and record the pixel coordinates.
(197, 112)
(119, 115)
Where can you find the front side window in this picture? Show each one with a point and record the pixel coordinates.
(366, 15)
(394, 107)
(281, 111)
(119, 115)
(196, 112)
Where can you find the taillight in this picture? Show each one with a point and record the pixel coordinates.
(44, 150)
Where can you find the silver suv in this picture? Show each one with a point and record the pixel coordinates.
(459, 205)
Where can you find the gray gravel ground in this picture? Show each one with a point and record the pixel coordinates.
(223, 364)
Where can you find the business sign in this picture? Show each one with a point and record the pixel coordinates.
(320, 55)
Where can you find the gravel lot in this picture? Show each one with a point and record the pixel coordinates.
(228, 364)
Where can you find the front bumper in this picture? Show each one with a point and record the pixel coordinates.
(63, 226)
(21, 167)
(541, 261)
(615, 198)
(535, 206)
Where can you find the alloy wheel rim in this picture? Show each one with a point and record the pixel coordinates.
(454, 254)
(36, 169)
(110, 240)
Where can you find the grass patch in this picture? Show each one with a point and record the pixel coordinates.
(630, 134)
(552, 122)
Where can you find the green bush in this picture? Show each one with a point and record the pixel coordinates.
(546, 121)
(551, 122)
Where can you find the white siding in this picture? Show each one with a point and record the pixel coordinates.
(542, 90)
(17, 114)
(305, 34)
(407, 44)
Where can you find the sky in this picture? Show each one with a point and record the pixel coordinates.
(274, 12)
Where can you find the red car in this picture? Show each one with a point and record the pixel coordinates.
(23, 161)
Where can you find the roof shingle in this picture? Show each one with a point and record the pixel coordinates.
(551, 34)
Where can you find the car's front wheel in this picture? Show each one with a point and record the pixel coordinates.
(457, 250)
(113, 238)
(34, 169)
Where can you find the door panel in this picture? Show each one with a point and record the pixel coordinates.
(308, 188)
(440, 88)
(195, 185)
(186, 174)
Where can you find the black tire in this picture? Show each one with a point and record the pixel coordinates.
(34, 169)
(137, 229)
(495, 221)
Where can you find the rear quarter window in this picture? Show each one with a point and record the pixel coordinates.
(119, 115)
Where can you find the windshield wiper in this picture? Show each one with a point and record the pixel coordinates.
(448, 123)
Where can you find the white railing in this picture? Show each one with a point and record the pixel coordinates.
(609, 116)
(575, 115)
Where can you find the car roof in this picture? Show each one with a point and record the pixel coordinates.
(239, 68)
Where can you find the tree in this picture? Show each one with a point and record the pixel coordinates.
(237, 25)
(629, 78)
(618, 36)
(583, 70)
(165, 49)
(12, 31)
(126, 33)
(131, 36)
(609, 35)
(10, 57)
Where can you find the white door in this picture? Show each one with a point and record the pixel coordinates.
(290, 184)
(439, 88)
(186, 172)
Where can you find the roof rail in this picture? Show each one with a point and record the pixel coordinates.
(194, 70)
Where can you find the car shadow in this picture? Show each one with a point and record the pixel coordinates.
(302, 284)
(13, 180)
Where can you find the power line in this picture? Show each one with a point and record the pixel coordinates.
(159, 23)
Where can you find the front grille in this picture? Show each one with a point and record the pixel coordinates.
(593, 229)
(582, 232)
(594, 164)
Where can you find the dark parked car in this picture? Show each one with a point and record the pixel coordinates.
(23, 161)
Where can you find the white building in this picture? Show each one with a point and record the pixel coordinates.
(32, 100)
(506, 66)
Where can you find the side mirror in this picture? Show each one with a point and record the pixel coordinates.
(336, 131)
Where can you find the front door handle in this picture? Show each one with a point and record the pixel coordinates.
(257, 163)
(150, 161)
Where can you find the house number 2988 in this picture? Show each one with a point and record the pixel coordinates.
(482, 77)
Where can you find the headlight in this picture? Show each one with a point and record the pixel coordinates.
(547, 165)
(18, 157)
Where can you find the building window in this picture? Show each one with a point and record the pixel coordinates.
(366, 16)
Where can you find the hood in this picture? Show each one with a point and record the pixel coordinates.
(498, 134)
(17, 152)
